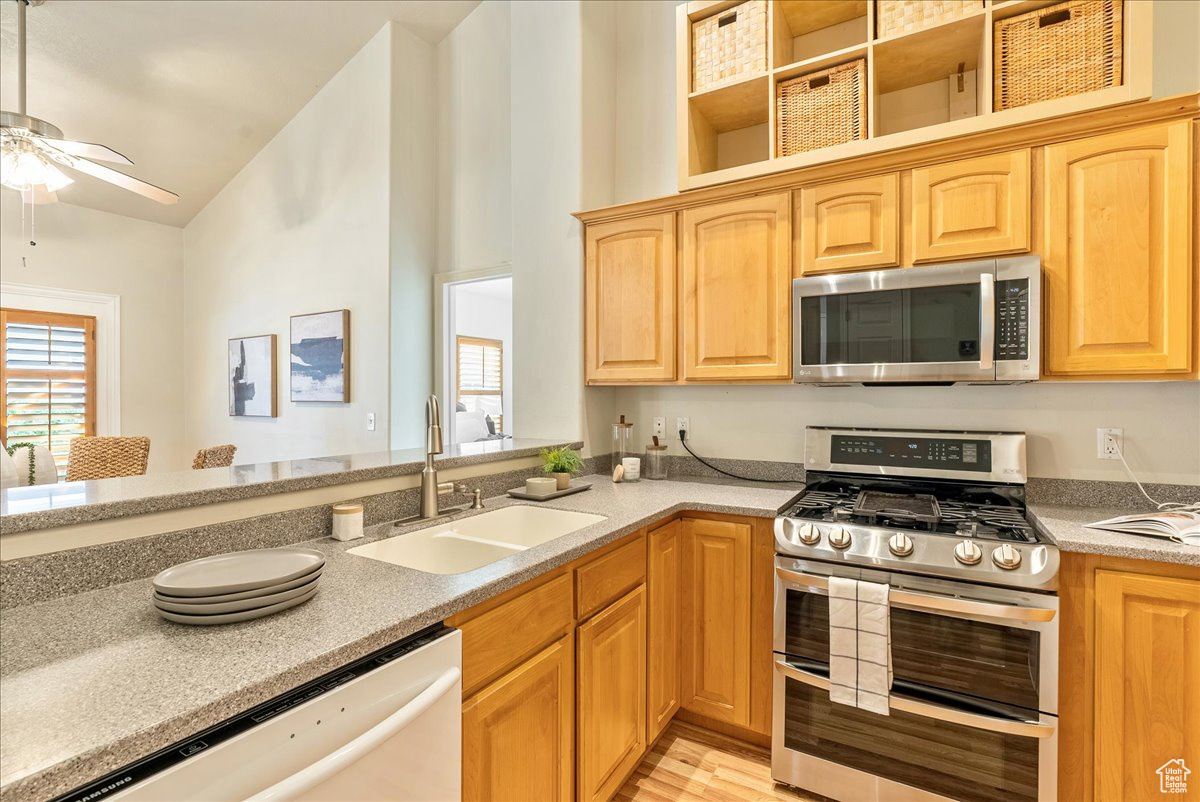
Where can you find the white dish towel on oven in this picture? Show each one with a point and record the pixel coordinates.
(860, 650)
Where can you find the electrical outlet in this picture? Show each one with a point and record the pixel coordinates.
(682, 424)
(1110, 443)
(370, 421)
(660, 427)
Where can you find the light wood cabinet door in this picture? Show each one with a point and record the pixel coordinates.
(518, 732)
(848, 225)
(716, 620)
(737, 290)
(1147, 715)
(664, 564)
(630, 300)
(612, 695)
(972, 207)
(1119, 278)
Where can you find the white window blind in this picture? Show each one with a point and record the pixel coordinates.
(48, 386)
(480, 372)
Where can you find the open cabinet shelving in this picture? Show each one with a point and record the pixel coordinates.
(929, 84)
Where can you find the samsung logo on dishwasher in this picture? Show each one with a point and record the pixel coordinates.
(112, 786)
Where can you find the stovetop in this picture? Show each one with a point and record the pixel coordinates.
(987, 512)
(974, 531)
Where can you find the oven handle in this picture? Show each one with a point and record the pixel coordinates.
(912, 600)
(987, 321)
(1027, 729)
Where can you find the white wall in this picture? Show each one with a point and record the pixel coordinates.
(413, 235)
(475, 216)
(305, 227)
(488, 314)
(93, 251)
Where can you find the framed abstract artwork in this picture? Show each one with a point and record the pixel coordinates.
(320, 356)
(253, 392)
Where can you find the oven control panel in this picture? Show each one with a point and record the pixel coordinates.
(1012, 319)
(960, 454)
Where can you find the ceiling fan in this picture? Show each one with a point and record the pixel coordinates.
(33, 150)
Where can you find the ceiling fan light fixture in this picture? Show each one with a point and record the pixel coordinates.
(23, 169)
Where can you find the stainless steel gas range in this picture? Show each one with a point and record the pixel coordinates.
(939, 519)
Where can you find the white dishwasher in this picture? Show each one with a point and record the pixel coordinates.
(387, 727)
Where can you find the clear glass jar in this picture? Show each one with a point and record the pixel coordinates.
(622, 442)
(654, 465)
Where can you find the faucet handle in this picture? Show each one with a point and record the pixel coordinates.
(477, 499)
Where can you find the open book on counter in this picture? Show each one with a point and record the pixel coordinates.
(1182, 526)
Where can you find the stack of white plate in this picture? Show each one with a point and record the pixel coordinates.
(238, 586)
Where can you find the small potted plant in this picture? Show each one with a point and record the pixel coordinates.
(561, 463)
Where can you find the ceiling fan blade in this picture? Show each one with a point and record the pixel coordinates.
(38, 196)
(121, 180)
(85, 150)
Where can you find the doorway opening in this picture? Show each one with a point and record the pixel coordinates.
(476, 351)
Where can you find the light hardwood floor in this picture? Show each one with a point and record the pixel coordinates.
(688, 763)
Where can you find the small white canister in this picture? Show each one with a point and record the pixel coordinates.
(633, 469)
(347, 521)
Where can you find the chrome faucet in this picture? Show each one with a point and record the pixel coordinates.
(431, 489)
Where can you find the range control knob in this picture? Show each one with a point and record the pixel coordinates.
(839, 538)
(967, 553)
(809, 534)
(1006, 557)
(900, 544)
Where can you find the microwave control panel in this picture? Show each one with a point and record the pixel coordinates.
(1012, 319)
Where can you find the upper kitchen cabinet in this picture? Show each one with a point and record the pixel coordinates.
(848, 225)
(736, 278)
(972, 207)
(1120, 278)
(630, 300)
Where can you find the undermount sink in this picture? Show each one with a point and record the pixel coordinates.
(467, 544)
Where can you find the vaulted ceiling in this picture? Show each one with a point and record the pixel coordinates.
(189, 90)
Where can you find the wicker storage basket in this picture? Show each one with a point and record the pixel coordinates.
(822, 109)
(1060, 50)
(906, 16)
(730, 44)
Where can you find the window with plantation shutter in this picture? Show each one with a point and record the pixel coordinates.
(480, 371)
(47, 380)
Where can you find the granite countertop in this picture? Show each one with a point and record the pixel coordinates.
(23, 509)
(1065, 526)
(91, 682)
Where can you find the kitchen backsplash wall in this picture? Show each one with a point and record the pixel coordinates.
(1161, 420)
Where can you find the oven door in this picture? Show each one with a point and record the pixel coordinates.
(973, 700)
(921, 324)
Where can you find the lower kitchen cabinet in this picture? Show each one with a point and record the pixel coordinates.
(716, 619)
(612, 695)
(664, 565)
(1130, 701)
(518, 732)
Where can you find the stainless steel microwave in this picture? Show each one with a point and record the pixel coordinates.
(972, 322)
